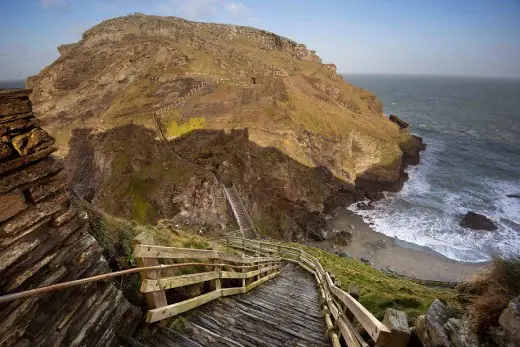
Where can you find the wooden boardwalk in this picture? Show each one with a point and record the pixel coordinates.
(283, 312)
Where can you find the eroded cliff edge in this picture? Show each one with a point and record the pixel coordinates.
(309, 140)
(44, 240)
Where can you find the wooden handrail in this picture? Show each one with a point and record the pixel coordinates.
(253, 272)
(393, 332)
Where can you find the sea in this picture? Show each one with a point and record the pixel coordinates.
(472, 162)
(12, 84)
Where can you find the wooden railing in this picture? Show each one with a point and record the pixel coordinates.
(340, 309)
(251, 271)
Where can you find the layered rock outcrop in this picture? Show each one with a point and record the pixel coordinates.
(98, 99)
(44, 240)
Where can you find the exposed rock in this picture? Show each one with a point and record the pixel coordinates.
(516, 196)
(401, 123)
(292, 166)
(6, 150)
(508, 333)
(343, 254)
(11, 204)
(365, 260)
(460, 333)
(44, 241)
(375, 196)
(430, 326)
(365, 206)
(32, 141)
(477, 221)
(341, 237)
(318, 234)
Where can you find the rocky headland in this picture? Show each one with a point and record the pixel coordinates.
(260, 111)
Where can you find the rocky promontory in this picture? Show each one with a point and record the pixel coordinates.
(259, 110)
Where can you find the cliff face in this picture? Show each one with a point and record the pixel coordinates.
(44, 240)
(98, 98)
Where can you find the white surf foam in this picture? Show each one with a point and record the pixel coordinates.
(429, 216)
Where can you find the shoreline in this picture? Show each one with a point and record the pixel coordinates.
(394, 255)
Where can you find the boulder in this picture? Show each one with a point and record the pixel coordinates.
(376, 196)
(430, 326)
(318, 234)
(477, 221)
(365, 260)
(517, 196)
(508, 332)
(343, 254)
(401, 123)
(341, 237)
(365, 206)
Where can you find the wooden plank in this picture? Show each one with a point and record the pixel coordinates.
(171, 310)
(365, 318)
(347, 333)
(233, 291)
(260, 281)
(177, 281)
(157, 298)
(150, 251)
(232, 274)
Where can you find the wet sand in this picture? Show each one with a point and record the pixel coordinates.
(389, 253)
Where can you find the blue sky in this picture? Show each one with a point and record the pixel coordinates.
(456, 37)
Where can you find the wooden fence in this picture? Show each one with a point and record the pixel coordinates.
(340, 309)
(250, 271)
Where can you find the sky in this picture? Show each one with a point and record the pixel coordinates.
(432, 37)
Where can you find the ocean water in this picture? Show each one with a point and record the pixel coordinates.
(12, 84)
(472, 128)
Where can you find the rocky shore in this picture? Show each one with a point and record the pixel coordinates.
(392, 255)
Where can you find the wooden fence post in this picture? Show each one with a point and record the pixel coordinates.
(399, 334)
(154, 299)
(243, 269)
(217, 281)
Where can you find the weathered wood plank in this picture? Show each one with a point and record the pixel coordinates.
(150, 251)
(177, 281)
(260, 281)
(347, 333)
(365, 318)
(157, 298)
(171, 310)
(233, 291)
(232, 274)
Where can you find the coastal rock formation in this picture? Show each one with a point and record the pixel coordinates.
(508, 331)
(312, 140)
(517, 196)
(44, 240)
(440, 328)
(477, 221)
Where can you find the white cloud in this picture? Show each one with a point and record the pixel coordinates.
(236, 10)
(202, 9)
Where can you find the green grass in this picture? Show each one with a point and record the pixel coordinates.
(175, 129)
(379, 291)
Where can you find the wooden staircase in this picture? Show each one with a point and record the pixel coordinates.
(244, 221)
(286, 311)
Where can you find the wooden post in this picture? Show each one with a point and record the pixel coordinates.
(399, 334)
(243, 270)
(154, 299)
(218, 281)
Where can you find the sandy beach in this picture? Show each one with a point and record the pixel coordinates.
(388, 253)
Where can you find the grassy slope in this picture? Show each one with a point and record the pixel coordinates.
(379, 291)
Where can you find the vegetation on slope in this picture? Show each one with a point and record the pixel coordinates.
(379, 291)
(489, 292)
